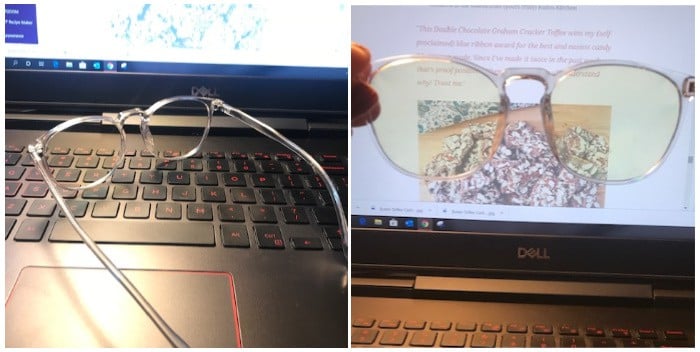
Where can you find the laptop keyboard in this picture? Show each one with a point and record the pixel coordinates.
(370, 332)
(269, 201)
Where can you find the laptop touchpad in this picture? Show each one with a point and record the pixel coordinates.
(74, 307)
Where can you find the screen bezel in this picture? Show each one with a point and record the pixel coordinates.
(317, 98)
(626, 256)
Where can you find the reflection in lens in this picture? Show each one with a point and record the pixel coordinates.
(438, 118)
(613, 123)
(180, 117)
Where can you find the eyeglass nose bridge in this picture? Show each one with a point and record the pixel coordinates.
(143, 126)
(528, 73)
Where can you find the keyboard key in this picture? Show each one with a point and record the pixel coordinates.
(165, 164)
(206, 179)
(12, 188)
(14, 148)
(595, 331)
(325, 216)
(332, 232)
(178, 178)
(143, 232)
(216, 155)
(77, 207)
(572, 341)
(157, 192)
(35, 190)
(647, 334)
(272, 196)
(261, 156)
(393, 338)
(291, 181)
(243, 195)
(491, 327)
(67, 175)
(303, 197)
(218, 165)
(168, 211)
(137, 210)
(14, 173)
(440, 325)
(182, 193)
(363, 336)
(59, 150)
(390, 324)
(269, 237)
(517, 328)
(97, 192)
(313, 243)
(238, 156)
(244, 166)
(675, 335)
(140, 163)
(233, 179)
(199, 212)
(262, 180)
(9, 225)
(60, 161)
(154, 177)
(192, 165)
(235, 235)
(542, 341)
(14, 206)
(414, 324)
(453, 339)
(568, 330)
(603, 342)
(82, 151)
(91, 176)
(106, 209)
(423, 339)
(484, 340)
(123, 176)
(271, 166)
(31, 230)
(104, 151)
(513, 341)
(262, 213)
(294, 215)
(362, 322)
(213, 194)
(42, 207)
(542, 329)
(89, 162)
(621, 333)
(127, 192)
(231, 212)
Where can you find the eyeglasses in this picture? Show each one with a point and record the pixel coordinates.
(198, 123)
(605, 121)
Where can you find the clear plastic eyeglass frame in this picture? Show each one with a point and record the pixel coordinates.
(39, 157)
(684, 85)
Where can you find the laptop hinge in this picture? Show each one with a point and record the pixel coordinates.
(533, 287)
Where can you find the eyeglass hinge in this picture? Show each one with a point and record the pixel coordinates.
(689, 87)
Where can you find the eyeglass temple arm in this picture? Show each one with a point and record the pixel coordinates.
(174, 339)
(275, 135)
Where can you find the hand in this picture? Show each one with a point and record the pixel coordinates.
(364, 102)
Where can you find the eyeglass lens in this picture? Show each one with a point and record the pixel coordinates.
(444, 119)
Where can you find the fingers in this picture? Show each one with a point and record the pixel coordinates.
(364, 107)
(364, 104)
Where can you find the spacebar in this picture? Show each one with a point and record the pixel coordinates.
(141, 232)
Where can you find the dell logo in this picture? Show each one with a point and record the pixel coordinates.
(533, 253)
(204, 92)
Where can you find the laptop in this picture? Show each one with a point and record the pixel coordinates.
(446, 263)
(217, 271)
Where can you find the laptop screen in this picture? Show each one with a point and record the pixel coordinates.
(227, 50)
(509, 198)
